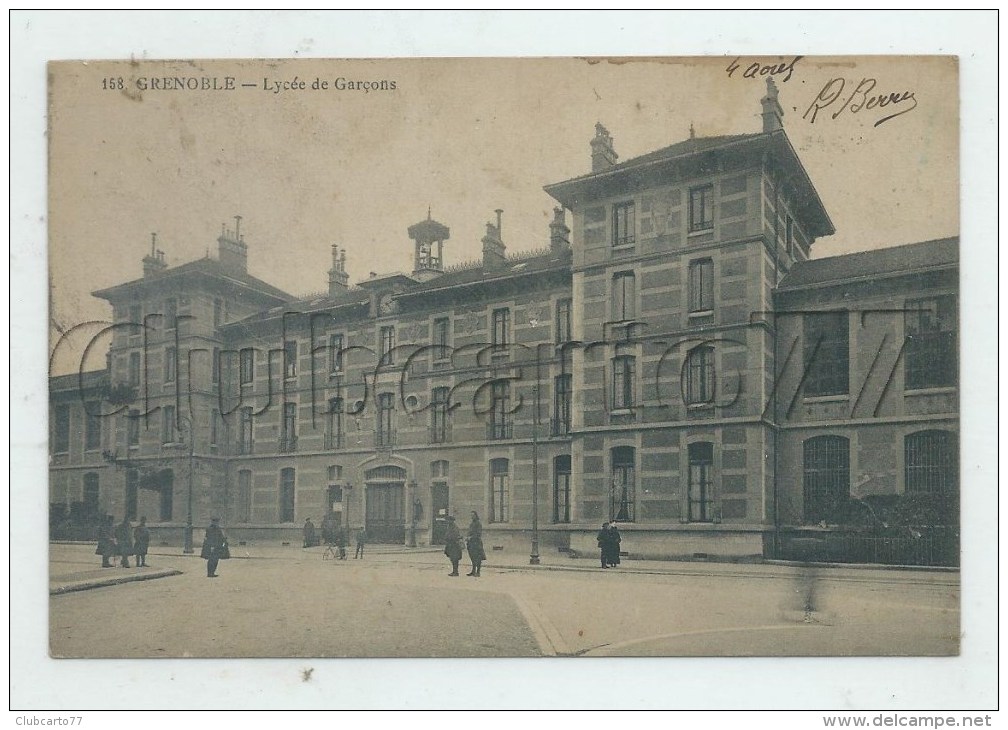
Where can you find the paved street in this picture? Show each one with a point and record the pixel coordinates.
(286, 602)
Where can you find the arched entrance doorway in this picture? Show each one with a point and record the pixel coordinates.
(384, 515)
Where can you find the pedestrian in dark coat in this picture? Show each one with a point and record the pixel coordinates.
(309, 534)
(361, 538)
(124, 541)
(453, 545)
(141, 540)
(614, 545)
(106, 541)
(214, 546)
(341, 541)
(329, 529)
(604, 544)
(474, 544)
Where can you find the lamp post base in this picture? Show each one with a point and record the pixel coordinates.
(187, 542)
(534, 557)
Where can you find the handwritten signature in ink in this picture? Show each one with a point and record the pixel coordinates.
(861, 99)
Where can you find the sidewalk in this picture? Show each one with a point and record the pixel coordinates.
(73, 567)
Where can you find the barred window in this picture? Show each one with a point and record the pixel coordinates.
(826, 478)
(499, 490)
(931, 462)
(827, 353)
(931, 343)
(701, 482)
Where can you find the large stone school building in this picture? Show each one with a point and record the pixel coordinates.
(670, 357)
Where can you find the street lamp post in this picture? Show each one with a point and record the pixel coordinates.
(187, 542)
(534, 557)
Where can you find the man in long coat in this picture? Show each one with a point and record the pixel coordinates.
(453, 545)
(474, 544)
(124, 541)
(213, 545)
(141, 541)
(106, 541)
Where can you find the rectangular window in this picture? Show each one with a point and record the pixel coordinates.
(624, 297)
(132, 483)
(385, 432)
(561, 405)
(92, 426)
(623, 498)
(288, 436)
(134, 369)
(135, 320)
(244, 511)
(563, 321)
(700, 376)
(701, 491)
(287, 495)
(701, 208)
(931, 342)
(166, 497)
(246, 366)
(168, 425)
(218, 313)
(91, 493)
(245, 435)
(499, 490)
(439, 415)
(215, 365)
(290, 359)
(441, 340)
(170, 314)
(133, 428)
(61, 429)
(624, 225)
(501, 328)
(500, 424)
(624, 381)
(826, 479)
(387, 345)
(701, 286)
(336, 353)
(170, 362)
(561, 489)
(214, 420)
(789, 236)
(827, 356)
(334, 424)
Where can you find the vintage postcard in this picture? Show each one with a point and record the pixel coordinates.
(508, 373)
(573, 357)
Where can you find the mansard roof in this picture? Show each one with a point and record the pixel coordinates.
(913, 258)
(208, 268)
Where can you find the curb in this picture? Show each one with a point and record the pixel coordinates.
(102, 582)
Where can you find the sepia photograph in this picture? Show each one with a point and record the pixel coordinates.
(575, 357)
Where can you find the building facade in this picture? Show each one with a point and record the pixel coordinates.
(673, 360)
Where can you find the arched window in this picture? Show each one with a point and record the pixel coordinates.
(622, 494)
(701, 482)
(561, 488)
(826, 481)
(931, 462)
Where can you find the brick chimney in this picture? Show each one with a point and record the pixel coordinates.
(493, 246)
(231, 249)
(603, 154)
(559, 232)
(155, 260)
(338, 277)
(773, 115)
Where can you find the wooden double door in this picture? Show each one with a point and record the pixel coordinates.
(385, 512)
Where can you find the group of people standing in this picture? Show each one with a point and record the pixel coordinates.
(473, 544)
(122, 541)
(609, 544)
(333, 534)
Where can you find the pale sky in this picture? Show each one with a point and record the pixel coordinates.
(309, 168)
